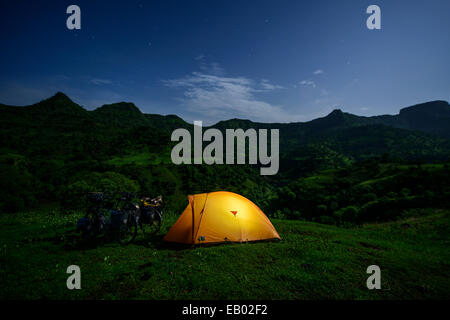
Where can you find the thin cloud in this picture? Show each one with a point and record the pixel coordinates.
(266, 85)
(97, 81)
(206, 67)
(318, 71)
(212, 68)
(308, 83)
(200, 57)
(217, 98)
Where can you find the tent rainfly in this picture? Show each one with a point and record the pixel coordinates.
(221, 217)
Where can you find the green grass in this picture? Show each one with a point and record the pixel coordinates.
(313, 261)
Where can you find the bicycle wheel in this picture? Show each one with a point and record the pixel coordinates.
(127, 229)
(152, 225)
(93, 225)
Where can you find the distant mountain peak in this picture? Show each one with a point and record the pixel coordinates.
(58, 103)
(120, 114)
(60, 94)
(432, 117)
(335, 119)
(60, 97)
(439, 107)
(119, 107)
(336, 112)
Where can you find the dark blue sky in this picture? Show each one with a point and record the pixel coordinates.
(212, 60)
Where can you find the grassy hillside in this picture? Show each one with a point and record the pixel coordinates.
(312, 261)
(364, 192)
(337, 173)
(54, 144)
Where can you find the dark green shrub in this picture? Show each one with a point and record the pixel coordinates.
(348, 214)
(108, 182)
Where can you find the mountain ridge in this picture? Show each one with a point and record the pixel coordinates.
(430, 117)
(58, 142)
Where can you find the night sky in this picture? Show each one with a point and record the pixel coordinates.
(268, 61)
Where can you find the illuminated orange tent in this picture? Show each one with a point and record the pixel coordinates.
(221, 217)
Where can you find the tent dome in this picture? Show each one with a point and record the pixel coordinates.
(221, 217)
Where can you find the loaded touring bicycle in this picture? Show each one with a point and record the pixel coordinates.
(119, 216)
